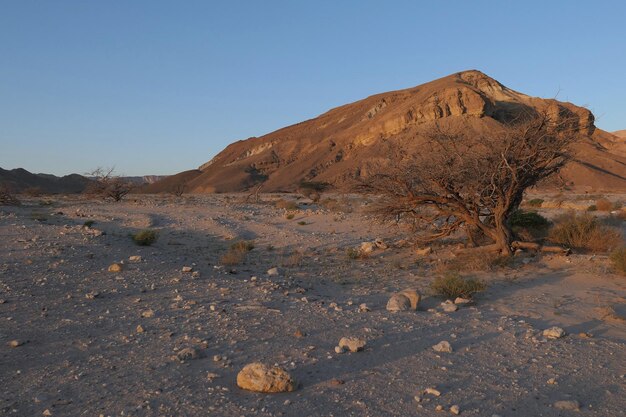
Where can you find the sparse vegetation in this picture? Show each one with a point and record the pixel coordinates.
(452, 285)
(584, 232)
(604, 204)
(290, 216)
(107, 185)
(242, 246)
(286, 204)
(472, 181)
(474, 262)
(145, 237)
(355, 253)
(302, 223)
(312, 189)
(521, 218)
(89, 223)
(7, 198)
(40, 217)
(592, 207)
(618, 259)
(535, 202)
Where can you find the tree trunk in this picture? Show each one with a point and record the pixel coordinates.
(503, 236)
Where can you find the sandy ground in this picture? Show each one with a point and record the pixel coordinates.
(82, 354)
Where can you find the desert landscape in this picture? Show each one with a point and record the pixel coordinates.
(312, 209)
(168, 329)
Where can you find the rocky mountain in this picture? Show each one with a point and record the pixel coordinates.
(20, 180)
(341, 143)
(620, 133)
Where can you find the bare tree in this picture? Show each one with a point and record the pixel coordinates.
(7, 197)
(179, 189)
(107, 185)
(473, 181)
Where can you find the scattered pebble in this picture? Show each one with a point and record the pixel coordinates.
(443, 346)
(353, 344)
(554, 333)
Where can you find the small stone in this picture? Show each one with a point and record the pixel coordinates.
(462, 301)
(439, 407)
(92, 295)
(424, 251)
(147, 313)
(432, 391)
(554, 333)
(298, 333)
(15, 343)
(259, 377)
(363, 308)
(443, 346)
(272, 271)
(552, 381)
(195, 274)
(187, 269)
(339, 350)
(211, 376)
(398, 302)
(134, 258)
(449, 307)
(380, 244)
(336, 381)
(367, 247)
(353, 344)
(115, 268)
(139, 329)
(571, 405)
(188, 354)
(455, 410)
(46, 412)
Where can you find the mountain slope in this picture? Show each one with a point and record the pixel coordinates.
(343, 142)
(20, 180)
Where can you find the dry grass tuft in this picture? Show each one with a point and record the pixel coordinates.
(145, 237)
(584, 232)
(452, 285)
(618, 259)
(603, 204)
(285, 204)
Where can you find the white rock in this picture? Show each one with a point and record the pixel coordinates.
(339, 349)
(187, 269)
(272, 271)
(455, 409)
(432, 391)
(462, 301)
(554, 333)
(449, 307)
(353, 344)
(398, 302)
(367, 247)
(134, 258)
(443, 346)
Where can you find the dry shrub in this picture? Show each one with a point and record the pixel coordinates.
(293, 260)
(584, 232)
(618, 259)
(474, 261)
(233, 257)
(356, 253)
(535, 202)
(6, 196)
(452, 285)
(334, 205)
(285, 204)
(242, 246)
(603, 204)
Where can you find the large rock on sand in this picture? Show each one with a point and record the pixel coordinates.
(259, 377)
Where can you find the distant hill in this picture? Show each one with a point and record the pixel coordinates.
(340, 144)
(20, 180)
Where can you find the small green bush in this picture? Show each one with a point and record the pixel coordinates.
(520, 218)
(584, 232)
(535, 202)
(452, 285)
(302, 223)
(592, 208)
(618, 258)
(89, 223)
(290, 216)
(145, 237)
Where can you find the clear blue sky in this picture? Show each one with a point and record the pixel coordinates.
(157, 87)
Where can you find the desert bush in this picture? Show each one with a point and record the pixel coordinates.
(302, 223)
(40, 217)
(452, 285)
(286, 204)
(618, 259)
(521, 218)
(32, 192)
(290, 216)
(603, 204)
(107, 185)
(592, 207)
(88, 223)
(7, 198)
(145, 237)
(356, 253)
(478, 261)
(242, 246)
(334, 205)
(233, 257)
(293, 260)
(535, 202)
(584, 232)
